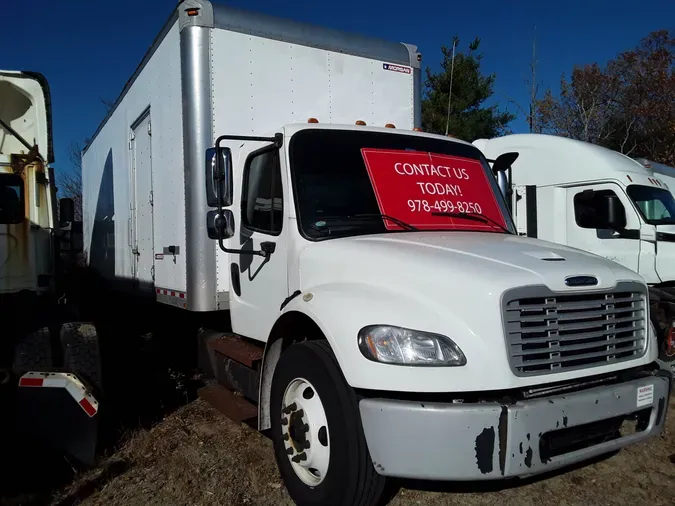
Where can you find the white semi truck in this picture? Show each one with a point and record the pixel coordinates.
(665, 172)
(361, 289)
(598, 200)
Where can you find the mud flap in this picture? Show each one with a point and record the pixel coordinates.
(57, 410)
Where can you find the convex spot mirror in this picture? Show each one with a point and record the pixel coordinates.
(218, 177)
(220, 225)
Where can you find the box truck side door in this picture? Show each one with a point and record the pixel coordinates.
(584, 213)
(259, 285)
(142, 244)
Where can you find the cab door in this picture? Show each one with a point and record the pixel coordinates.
(583, 214)
(259, 285)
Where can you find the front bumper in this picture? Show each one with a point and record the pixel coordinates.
(487, 441)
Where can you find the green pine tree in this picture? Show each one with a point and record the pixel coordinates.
(469, 118)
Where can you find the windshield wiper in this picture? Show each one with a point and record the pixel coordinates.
(362, 217)
(396, 221)
(474, 217)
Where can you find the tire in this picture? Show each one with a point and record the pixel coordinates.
(310, 369)
(34, 351)
(81, 352)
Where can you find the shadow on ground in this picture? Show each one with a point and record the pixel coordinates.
(149, 371)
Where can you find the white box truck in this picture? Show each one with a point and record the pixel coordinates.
(362, 291)
(595, 199)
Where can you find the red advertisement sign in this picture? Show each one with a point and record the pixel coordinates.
(411, 186)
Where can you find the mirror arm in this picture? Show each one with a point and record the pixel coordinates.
(265, 252)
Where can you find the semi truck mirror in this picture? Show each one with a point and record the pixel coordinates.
(218, 177)
(615, 213)
(66, 211)
(504, 162)
(220, 225)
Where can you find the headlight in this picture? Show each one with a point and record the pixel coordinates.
(396, 345)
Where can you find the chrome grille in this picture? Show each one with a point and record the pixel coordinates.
(550, 332)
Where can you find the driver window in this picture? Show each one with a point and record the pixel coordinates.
(11, 199)
(262, 198)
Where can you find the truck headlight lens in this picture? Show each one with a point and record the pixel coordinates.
(396, 345)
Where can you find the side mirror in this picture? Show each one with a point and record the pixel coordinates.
(615, 214)
(504, 162)
(218, 177)
(220, 226)
(501, 168)
(66, 211)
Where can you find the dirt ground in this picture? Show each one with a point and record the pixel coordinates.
(195, 456)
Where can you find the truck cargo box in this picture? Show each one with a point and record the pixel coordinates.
(143, 175)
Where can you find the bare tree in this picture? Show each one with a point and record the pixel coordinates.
(530, 113)
(70, 181)
(626, 105)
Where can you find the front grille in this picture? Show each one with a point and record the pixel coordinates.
(549, 332)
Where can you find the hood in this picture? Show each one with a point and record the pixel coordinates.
(490, 263)
(449, 283)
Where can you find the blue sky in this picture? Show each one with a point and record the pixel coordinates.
(87, 50)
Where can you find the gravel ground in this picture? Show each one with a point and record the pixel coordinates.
(197, 457)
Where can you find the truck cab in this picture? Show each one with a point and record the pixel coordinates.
(409, 306)
(27, 205)
(595, 199)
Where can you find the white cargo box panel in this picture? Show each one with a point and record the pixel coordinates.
(221, 71)
(133, 178)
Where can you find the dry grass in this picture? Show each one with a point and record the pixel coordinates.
(197, 457)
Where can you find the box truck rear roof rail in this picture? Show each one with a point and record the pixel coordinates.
(282, 29)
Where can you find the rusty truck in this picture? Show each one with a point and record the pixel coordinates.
(49, 362)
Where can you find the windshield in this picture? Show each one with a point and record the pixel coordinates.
(11, 199)
(656, 205)
(334, 193)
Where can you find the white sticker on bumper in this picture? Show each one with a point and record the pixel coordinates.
(645, 395)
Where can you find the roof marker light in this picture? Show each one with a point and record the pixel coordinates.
(360, 122)
(389, 125)
(312, 120)
(192, 11)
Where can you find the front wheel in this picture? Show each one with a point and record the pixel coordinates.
(318, 440)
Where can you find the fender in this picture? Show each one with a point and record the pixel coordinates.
(340, 310)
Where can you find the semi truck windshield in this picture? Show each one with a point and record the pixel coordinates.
(11, 199)
(333, 187)
(656, 205)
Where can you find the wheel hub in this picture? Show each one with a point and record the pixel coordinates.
(305, 432)
(297, 429)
